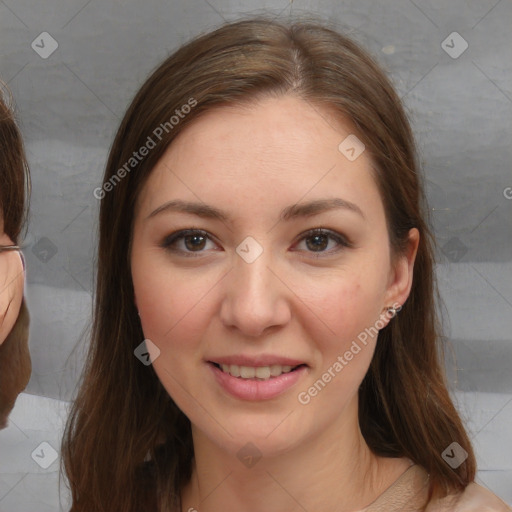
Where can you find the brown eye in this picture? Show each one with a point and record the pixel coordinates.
(194, 241)
(317, 241)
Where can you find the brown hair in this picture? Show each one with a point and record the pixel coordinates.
(15, 365)
(122, 412)
(14, 173)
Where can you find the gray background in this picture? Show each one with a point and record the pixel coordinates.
(69, 105)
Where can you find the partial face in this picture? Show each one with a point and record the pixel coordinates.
(12, 281)
(260, 314)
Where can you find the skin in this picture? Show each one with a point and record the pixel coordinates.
(252, 162)
(12, 279)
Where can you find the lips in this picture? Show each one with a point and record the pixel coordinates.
(257, 378)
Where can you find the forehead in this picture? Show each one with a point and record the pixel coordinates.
(273, 151)
(268, 130)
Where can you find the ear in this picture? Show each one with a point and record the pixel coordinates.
(400, 277)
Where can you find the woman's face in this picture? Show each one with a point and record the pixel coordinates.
(265, 331)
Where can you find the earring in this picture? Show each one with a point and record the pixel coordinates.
(392, 311)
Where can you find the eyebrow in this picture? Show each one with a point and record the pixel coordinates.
(289, 213)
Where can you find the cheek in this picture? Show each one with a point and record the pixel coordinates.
(172, 316)
(345, 304)
(345, 355)
(347, 308)
(172, 305)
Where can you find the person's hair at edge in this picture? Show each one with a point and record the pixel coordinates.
(122, 412)
(15, 177)
(15, 365)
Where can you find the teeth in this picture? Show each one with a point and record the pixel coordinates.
(263, 372)
(259, 372)
(246, 372)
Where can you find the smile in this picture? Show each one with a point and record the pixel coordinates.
(256, 372)
(254, 383)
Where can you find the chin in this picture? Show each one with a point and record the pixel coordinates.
(263, 437)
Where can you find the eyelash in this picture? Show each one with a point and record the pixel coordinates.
(180, 235)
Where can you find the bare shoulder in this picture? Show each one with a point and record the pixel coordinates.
(475, 498)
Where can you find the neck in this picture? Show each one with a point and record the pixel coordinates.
(335, 471)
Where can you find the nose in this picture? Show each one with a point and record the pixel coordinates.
(256, 299)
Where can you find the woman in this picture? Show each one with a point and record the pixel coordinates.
(15, 365)
(263, 244)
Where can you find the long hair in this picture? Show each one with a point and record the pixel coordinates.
(14, 171)
(15, 364)
(127, 446)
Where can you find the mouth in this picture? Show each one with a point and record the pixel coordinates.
(256, 373)
(257, 378)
